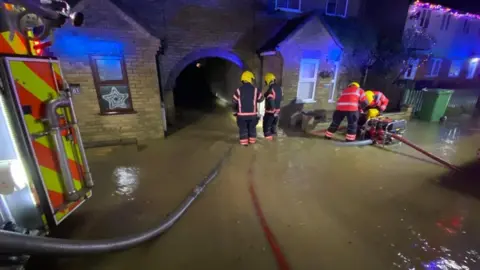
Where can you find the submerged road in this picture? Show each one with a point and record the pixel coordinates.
(296, 203)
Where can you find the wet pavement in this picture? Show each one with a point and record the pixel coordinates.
(329, 207)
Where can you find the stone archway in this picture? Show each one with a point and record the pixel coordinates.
(199, 54)
(174, 73)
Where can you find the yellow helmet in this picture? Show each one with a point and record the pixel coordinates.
(247, 76)
(372, 113)
(369, 95)
(269, 78)
(356, 84)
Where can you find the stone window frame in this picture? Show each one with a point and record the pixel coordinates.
(98, 83)
(299, 10)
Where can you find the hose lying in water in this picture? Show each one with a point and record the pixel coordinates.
(430, 155)
(355, 143)
(14, 243)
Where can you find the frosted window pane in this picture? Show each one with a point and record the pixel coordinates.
(305, 90)
(308, 71)
(109, 69)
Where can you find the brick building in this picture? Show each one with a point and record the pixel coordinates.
(445, 52)
(143, 44)
(112, 59)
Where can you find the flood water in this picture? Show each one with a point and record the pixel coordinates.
(328, 206)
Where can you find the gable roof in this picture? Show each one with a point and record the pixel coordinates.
(78, 5)
(150, 14)
(292, 26)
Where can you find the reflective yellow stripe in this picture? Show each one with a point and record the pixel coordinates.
(56, 68)
(16, 44)
(53, 181)
(59, 215)
(37, 127)
(31, 81)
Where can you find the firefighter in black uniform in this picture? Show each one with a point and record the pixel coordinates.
(245, 105)
(273, 99)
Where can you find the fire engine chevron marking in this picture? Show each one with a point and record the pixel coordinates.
(27, 97)
(5, 46)
(31, 81)
(35, 126)
(60, 215)
(43, 71)
(17, 46)
(35, 84)
(46, 158)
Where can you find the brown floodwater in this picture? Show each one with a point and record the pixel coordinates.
(329, 207)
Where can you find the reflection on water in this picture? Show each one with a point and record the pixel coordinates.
(448, 139)
(443, 257)
(126, 180)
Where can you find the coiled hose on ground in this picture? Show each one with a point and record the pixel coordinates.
(14, 243)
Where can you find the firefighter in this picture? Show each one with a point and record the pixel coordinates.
(273, 99)
(375, 103)
(379, 100)
(348, 104)
(245, 105)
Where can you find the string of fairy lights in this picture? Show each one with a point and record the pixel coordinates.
(415, 13)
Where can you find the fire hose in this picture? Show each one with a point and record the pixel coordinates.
(15, 243)
(428, 154)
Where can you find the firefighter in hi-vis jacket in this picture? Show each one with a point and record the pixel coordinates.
(348, 106)
(245, 105)
(378, 100)
(273, 99)
(375, 104)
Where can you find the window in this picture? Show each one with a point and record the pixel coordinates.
(472, 67)
(425, 18)
(412, 65)
(466, 26)
(307, 80)
(433, 67)
(332, 98)
(288, 5)
(336, 8)
(111, 82)
(455, 68)
(445, 22)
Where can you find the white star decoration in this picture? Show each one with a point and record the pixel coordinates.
(115, 99)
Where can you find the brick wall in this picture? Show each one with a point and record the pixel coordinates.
(222, 24)
(312, 37)
(106, 33)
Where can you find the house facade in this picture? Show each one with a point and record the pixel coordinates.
(447, 53)
(110, 64)
(448, 46)
(305, 55)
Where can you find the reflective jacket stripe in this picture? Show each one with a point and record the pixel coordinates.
(351, 94)
(347, 103)
(255, 99)
(247, 113)
(239, 101)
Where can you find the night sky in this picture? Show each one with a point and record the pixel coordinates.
(472, 6)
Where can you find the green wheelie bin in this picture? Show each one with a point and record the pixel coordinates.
(434, 105)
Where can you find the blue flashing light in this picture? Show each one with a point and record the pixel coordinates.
(78, 45)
